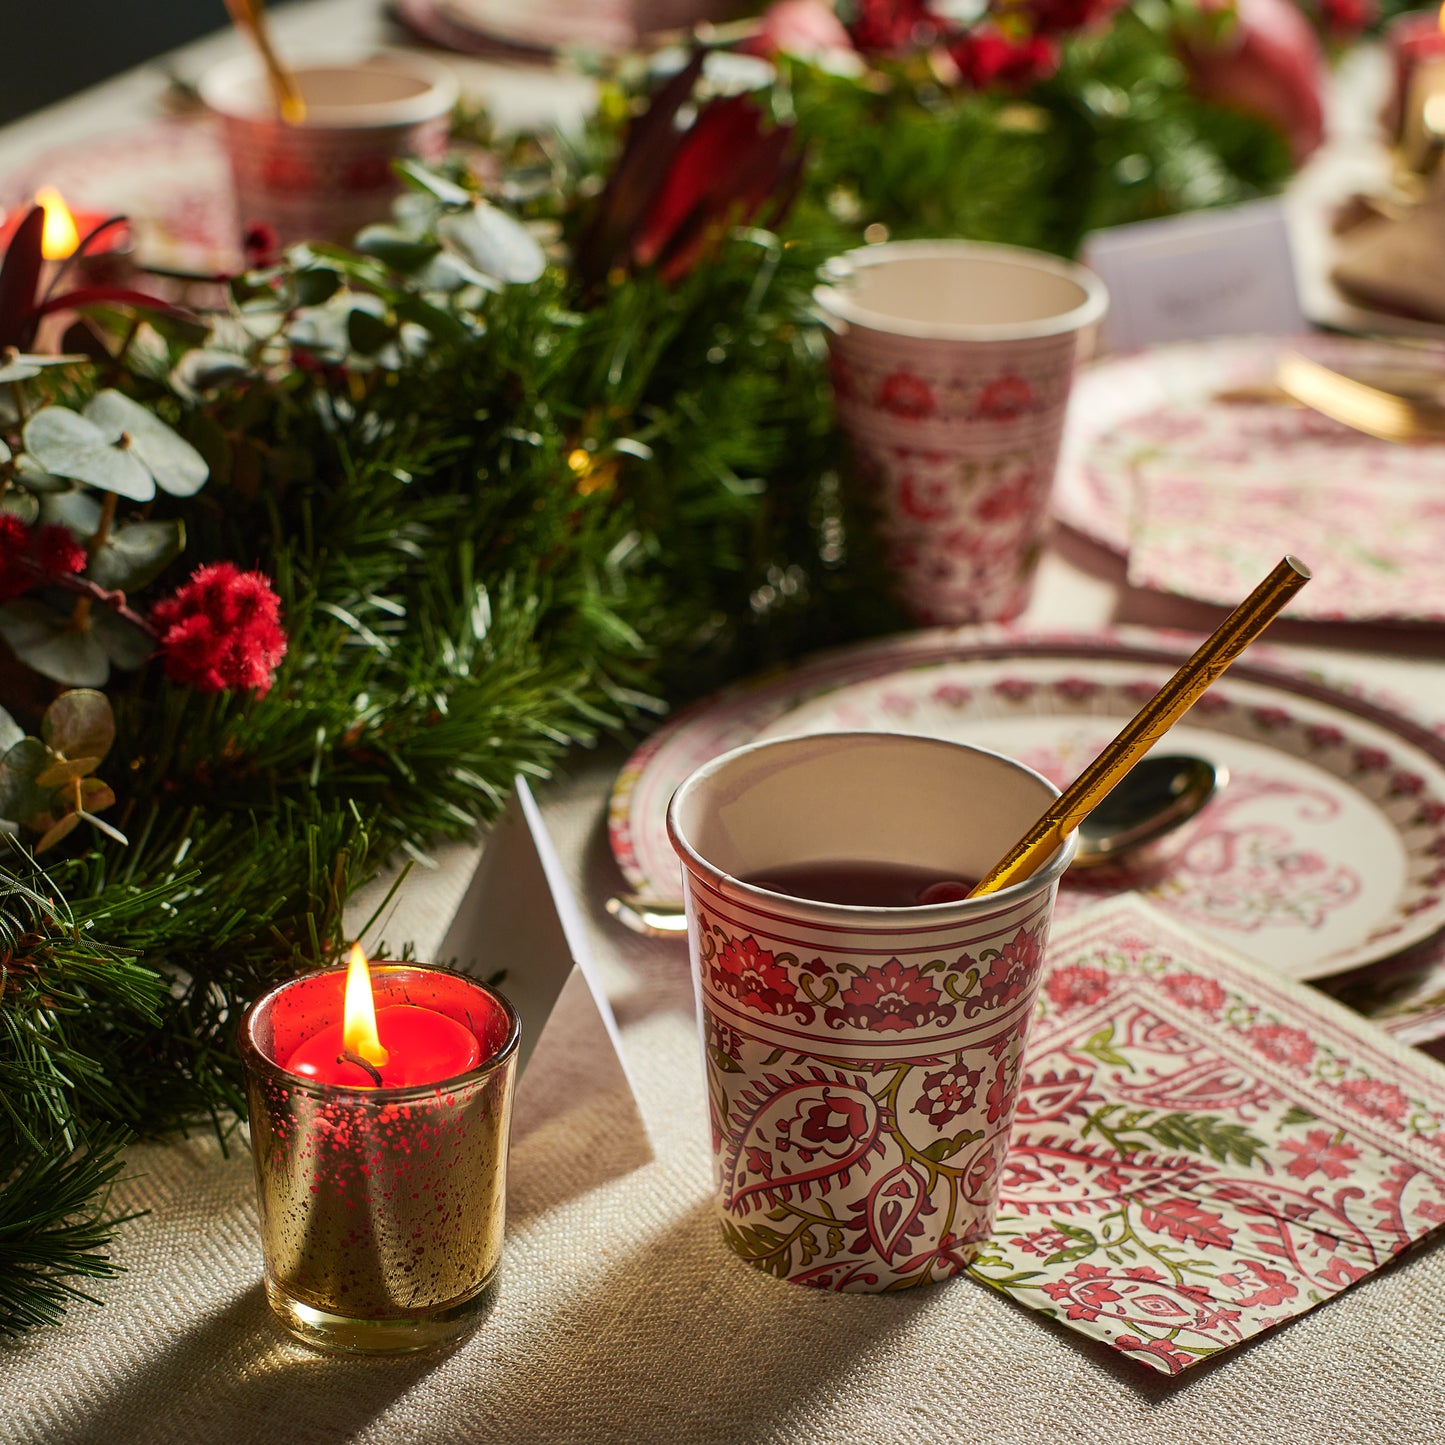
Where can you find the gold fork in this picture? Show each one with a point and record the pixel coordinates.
(1413, 413)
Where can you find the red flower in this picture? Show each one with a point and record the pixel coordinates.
(727, 166)
(1374, 1098)
(1274, 1287)
(1076, 986)
(886, 27)
(29, 555)
(58, 551)
(261, 245)
(891, 997)
(948, 1093)
(1052, 17)
(907, 396)
(16, 573)
(222, 630)
(1343, 20)
(1005, 398)
(1283, 1044)
(1087, 1290)
(753, 976)
(1174, 1358)
(1320, 1152)
(1194, 991)
(987, 59)
(836, 1120)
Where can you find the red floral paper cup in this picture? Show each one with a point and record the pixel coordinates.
(862, 1062)
(951, 364)
(327, 177)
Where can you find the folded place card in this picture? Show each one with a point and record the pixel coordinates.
(509, 916)
(1202, 274)
(1204, 1149)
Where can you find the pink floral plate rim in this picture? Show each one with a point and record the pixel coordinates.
(1096, 502)
(1325, 852)
(638, 803)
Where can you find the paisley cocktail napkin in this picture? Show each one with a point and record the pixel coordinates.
(1204, 1149)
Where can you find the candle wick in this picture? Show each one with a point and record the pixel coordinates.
(347, 1057)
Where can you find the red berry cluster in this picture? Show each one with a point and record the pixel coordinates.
(221, 630)
(31, 555)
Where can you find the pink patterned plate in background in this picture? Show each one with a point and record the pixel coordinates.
(1326, 852)
(1167, 450)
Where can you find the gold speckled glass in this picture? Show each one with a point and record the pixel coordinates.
(381, 1209)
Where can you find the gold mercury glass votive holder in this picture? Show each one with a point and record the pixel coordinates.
(382, 1209)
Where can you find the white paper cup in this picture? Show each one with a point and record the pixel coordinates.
(329, 176)
(862, 1063)
(951, 365)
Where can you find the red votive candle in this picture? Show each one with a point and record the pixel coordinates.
(379, 1103)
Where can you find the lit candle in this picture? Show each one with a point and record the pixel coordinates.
(382, 1204)
(65, 228)
(397, 1046)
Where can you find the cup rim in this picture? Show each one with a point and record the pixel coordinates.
(220, 87)
(1034, 883)
(834, 302)
(253, 1056)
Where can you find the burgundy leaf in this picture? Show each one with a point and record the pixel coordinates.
(19, 281)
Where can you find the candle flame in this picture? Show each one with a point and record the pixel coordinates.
(60, 236)
(358, 1029)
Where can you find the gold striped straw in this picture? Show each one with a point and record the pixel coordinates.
(1147, 726)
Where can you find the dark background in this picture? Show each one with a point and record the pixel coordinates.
(51, 48)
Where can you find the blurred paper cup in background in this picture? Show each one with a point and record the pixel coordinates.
(329, 176)
(951, 365)
(863, 1063)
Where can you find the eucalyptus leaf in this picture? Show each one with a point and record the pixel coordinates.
(10, 732)
(315, 285)
(21, 798)
(57, 831)
(63, 770)
(70, 445)
(136, 555)
(178, 468)
(74, 509)
(367, 333)
(19, 366)
(74, 658)
(21, 504)
(123, 643)
(79, 724)
(5, 452)
(401, 251)
(419, 178)
(448, 272)
(34, 478)
(495, 242)
(206, 369)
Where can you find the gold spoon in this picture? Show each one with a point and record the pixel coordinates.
(1147, 726)
(249, 16)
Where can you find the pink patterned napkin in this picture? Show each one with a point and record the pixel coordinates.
(1204, 1149)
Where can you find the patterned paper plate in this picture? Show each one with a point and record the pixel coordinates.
(1325, 852)
(1165, 453)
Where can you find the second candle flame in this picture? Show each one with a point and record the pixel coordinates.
(358, 1030)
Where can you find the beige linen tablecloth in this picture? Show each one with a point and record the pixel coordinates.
(623, 1317)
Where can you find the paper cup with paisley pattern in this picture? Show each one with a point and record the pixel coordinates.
(862, 1063)
(951, 364)
(326, 177)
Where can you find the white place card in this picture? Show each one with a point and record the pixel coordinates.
(1208, 273)
(516, 921)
